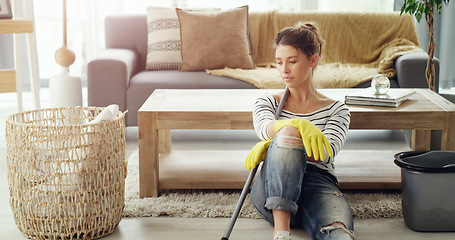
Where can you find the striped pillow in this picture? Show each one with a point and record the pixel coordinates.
(163, 50)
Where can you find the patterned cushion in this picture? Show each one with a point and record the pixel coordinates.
(163, 51)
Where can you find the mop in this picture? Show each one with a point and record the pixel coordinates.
(250, 178)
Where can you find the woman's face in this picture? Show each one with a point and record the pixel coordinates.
(294, 66)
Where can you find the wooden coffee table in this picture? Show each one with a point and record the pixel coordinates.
(231, 109)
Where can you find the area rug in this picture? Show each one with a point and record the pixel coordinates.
(221, 203)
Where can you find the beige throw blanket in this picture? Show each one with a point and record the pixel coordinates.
(357, 47)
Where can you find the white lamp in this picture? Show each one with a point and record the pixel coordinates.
(65, 90)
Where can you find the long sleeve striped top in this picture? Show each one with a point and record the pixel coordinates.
(332, 120)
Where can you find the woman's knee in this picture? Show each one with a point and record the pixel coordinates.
(289, 131)
(289, 137)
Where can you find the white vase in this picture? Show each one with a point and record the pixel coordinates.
(65, 90)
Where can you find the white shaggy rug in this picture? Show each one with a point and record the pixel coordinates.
(221, 203)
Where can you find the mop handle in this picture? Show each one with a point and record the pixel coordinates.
(282, 101)
(240, 202)
(248, 182)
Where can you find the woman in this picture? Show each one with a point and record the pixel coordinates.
(297, 186)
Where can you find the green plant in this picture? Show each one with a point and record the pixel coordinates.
(420, 8)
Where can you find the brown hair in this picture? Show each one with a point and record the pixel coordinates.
(304, 37)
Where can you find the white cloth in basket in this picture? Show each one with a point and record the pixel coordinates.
(108, 113)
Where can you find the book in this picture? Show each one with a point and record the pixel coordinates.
(393, 98)
(393, 95)
(373, 103)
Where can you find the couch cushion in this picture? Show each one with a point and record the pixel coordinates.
(163, 50)
(216, 39)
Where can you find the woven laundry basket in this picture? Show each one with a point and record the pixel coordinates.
(66, 176)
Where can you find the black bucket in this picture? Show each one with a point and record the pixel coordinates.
(428, 189)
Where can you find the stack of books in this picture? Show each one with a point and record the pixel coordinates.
(393, 98)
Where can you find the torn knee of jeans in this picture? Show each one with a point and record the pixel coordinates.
(337, 225)
(289, 141)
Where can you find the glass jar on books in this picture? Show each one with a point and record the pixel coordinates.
(380, 84)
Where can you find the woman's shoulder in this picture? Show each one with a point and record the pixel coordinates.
(272, 99)
(277, 96)
(330, 102)
(338, 107)
(332, 107)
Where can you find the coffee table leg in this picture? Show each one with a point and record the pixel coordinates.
(165, 140)
(421, 139)
(148, 155)
(448, 135)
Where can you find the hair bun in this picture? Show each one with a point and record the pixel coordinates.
(303, 36)
(308, 26)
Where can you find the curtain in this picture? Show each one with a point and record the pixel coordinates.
(444, 37)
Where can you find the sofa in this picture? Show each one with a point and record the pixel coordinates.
(120, 74)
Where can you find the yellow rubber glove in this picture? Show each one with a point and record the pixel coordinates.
(257, 154)
(313, 138)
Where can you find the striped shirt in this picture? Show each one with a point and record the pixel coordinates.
(332, 120)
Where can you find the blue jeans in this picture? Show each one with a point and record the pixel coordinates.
(311, 194)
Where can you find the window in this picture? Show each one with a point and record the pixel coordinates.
(85, 21)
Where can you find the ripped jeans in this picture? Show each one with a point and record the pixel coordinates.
(288, 183)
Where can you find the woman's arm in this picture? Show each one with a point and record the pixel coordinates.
(333, 122)
(336, 128)
(264, 116)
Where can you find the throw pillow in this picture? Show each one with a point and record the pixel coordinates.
(163, 51)
(214, 40)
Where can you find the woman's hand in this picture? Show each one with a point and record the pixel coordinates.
(313, 139)
(257, 154)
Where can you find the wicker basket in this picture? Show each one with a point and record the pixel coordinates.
(66, 176)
